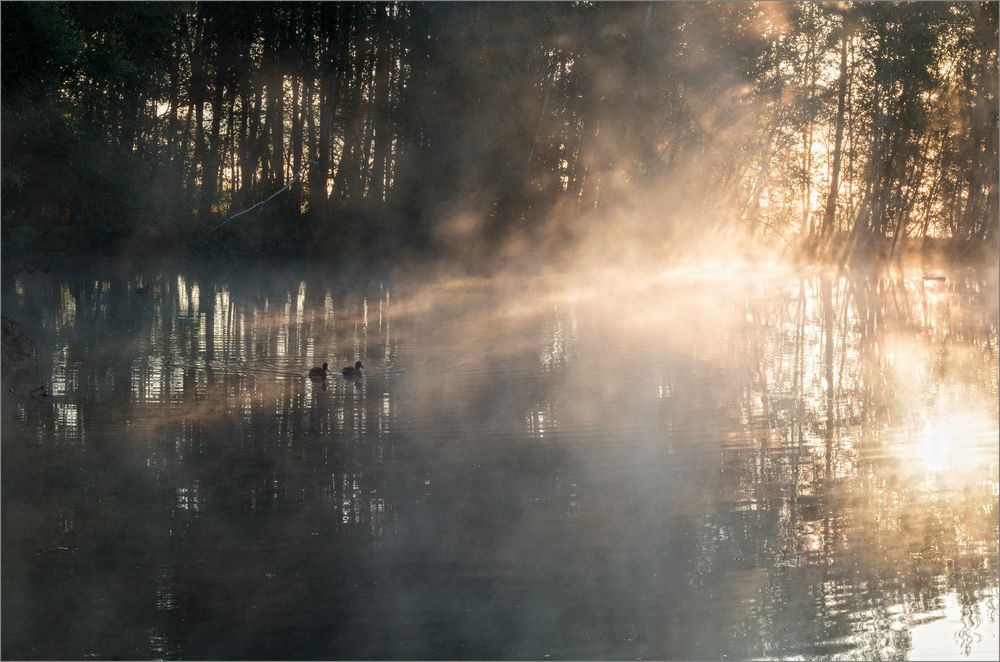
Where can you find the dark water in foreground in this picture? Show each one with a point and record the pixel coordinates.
(711, 462)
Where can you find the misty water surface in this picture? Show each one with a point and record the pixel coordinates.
(707, 462)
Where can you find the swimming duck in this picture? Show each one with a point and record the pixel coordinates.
(319, 373)
(353, 372)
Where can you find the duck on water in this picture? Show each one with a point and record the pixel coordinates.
(321, 373)
(356, 371)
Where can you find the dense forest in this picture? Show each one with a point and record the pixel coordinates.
(375, 127)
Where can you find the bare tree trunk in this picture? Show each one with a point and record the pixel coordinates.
(176, 175)
(230, 150)
(349, 168)
(831, 198)
(186, 169)
(383, 132)
(276, 116)
(807, 130)
(212, 160)
(197, 94)
(273, 136)
(331, 62)
(296, 138)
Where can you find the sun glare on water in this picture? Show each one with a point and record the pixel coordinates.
(934, 448)
(957, 441)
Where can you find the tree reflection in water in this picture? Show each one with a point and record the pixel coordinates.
(780, 464)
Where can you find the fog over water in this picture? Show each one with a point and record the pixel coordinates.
(718, 459)
(674, 344)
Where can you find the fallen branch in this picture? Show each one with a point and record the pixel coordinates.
(284, 188)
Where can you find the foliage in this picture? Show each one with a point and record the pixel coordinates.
(150, 122)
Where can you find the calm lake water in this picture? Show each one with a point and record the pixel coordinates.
(716, 461)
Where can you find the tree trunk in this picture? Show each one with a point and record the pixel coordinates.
(197, 93)
(349, 168)
(276, 115)
(296, 138)
(807, 130)
(831, 198)
(213, 159)
(383, 135)
(329, 71)
(273, 136)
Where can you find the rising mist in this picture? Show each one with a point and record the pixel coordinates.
(489, 130)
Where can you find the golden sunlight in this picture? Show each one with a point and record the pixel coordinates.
(934, 448)
(957, 438)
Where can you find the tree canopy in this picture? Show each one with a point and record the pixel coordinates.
(401, 124)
